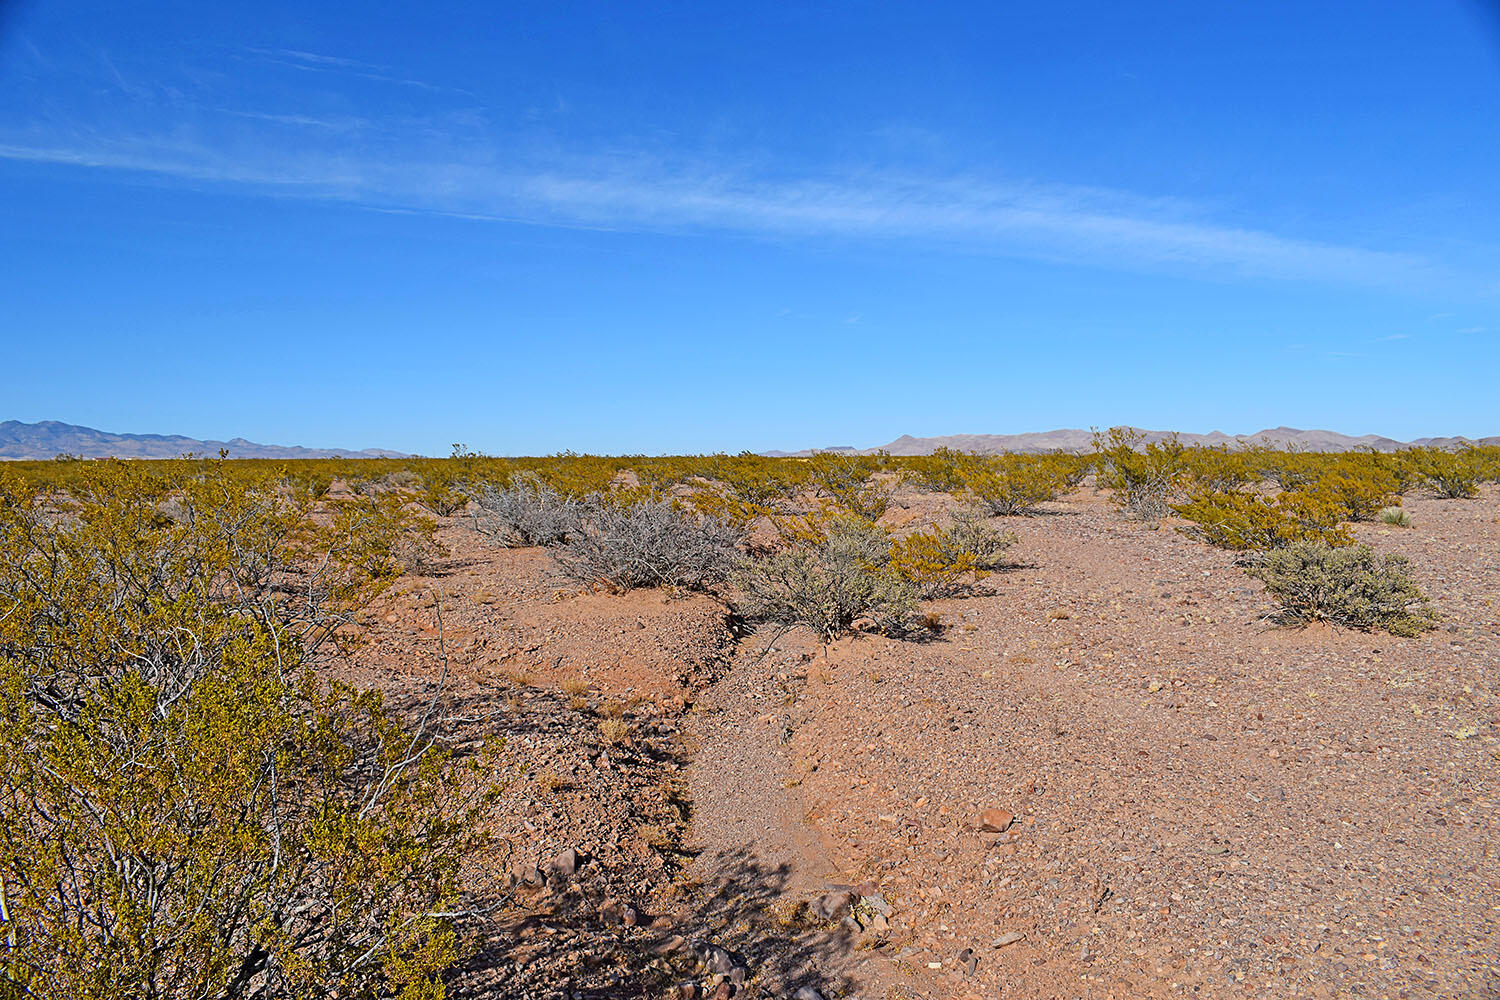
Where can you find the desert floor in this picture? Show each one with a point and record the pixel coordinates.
(1203, 805)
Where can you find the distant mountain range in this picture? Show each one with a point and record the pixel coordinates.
(49, 438)
(1082, 440)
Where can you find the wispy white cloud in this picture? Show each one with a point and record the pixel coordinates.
(445, 157)
(317, 62)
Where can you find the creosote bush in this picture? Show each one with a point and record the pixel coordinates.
(649, 543)
(1349, 586)
(1453, 475)
(833, 572)
(847, 482)
(946, 561)
(1143, 477)
(186, 810)
(1248, 521)
(1006, 485)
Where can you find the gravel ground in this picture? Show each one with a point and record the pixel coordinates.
(1202, 806)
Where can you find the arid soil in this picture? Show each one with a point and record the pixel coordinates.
(1202, 805)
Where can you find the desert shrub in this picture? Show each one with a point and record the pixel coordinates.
(650, 543)
(1292, 469)
(1247, 521)
(1143, 478)
(1358, 483)
(443, 499)
(847, 481)
(827, 578)
(1486, 459)
(1009, 484)
(937, 472)
(1396, 516)
(1070, 468)
(185, 810)
(525, 512)
(1455, 475)
(380, 535)
(945, 561)
(724, 504)
(1219, 470)
(1349, 586)
(750, 479)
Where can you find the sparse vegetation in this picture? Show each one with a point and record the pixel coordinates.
(650, 543)
(944, 561)
(186, 809)
(192, 807)
(525, 512)
(832, 574)
(1395, 516)
(1349, 586)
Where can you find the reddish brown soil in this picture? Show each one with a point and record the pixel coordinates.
(1204, 806)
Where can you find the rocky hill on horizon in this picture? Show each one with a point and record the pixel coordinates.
(1077, 439)
(49, 438)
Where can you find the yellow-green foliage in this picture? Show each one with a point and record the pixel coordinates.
(1359, 484)
(847, 482)
(1455, 475)
(1219, 470)
(938, 472)
(1010, 484)
(1243, 520)
(1142, 477)
(185, 810)
(726, 505)
(947, 560)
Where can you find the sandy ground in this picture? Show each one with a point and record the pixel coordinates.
(1203, 806)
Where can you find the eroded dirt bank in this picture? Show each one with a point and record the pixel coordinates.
(1201, 806)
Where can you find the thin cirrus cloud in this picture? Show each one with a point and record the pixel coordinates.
(453, 164)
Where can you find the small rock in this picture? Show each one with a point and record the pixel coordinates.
(565, 864)
(807, 993)
(533, 876)
(670, 946)
(1009, 937)
(995, 820)
(685, 991)
(629, 916)
(717, 960)
(724, 991)
(833, 905)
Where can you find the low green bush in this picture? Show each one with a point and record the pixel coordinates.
(1348, 586)
(1247, 521)
(945, 561)
(830, 575)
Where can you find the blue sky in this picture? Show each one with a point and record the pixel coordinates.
(693, 227)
